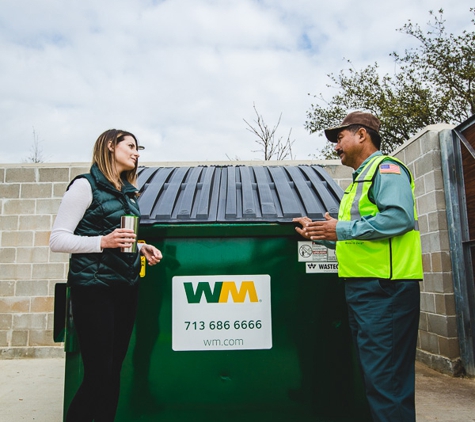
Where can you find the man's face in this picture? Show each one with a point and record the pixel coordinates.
(348, 147)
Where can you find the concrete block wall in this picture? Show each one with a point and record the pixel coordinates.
(438, 345)
(30, 195)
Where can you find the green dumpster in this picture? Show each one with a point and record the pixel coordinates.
(242, 320)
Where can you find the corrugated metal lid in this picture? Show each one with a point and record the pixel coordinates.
(217, 194)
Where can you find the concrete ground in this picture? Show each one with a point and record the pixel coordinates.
(32, 390)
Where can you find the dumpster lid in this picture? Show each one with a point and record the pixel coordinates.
(223, 194)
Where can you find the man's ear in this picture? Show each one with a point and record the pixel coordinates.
(362, 133)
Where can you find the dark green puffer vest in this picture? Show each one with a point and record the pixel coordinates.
(111, 267)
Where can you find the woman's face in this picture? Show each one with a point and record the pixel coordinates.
(126, 154)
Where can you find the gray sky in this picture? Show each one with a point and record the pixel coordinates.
(183, 74)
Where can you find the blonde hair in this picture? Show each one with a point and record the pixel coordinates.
(104, 158)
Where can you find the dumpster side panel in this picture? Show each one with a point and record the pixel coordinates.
(308, 373)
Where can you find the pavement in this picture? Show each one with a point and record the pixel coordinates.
(32, 390)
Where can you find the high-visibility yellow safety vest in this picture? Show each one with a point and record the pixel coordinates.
(395, 258)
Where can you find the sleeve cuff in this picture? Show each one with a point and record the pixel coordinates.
(343, 230)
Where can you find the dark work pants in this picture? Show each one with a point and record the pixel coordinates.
(384, 320)
(104, 319)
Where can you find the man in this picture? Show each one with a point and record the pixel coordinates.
(379, 258)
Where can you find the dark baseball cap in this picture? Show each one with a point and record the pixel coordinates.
(354, 118)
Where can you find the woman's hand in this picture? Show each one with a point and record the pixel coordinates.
(151, 254)
(119, 238)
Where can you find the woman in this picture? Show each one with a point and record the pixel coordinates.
(103, 280)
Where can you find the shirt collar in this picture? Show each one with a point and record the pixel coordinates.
(363, 164)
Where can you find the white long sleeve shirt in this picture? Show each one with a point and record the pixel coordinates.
(74, 204)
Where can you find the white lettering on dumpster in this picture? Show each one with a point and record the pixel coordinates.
(221, 308)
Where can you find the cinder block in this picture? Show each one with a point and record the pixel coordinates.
(17, 238)
(437, 220)
(423, 321)
(445, 304)
(31, 288)
(449, 347)
(426, 242)
(8, 222)
(420, 187)
(427, 302)
(338, 171)
(430, 142)
(29, 321)
(412, 152)
(9, 305)
(434, 181)
(58, 257)
(6, 321)
(432, 242)
(42, 304)
(4, 335)
(19, 206)
(412, 170)
(56, 174)
(35, 222)
(429, 342)
(51, 286)
(429, 282)
(431, 202)
(423, 223)
(21, 175)
(441, 262)
(47, 206)
(7, 288)
(426, 263)
(36, 190)
(7, 255)
(50, 321)
(428, 163)
(48, 271)
(443, 283)
(41, 338)
(344, 183)
(42, 238)
(76, 171)
(15, 272)
(10, 190)
(442, 325)
(33, 255)
(19, 338)
(59, 189)
(444, 240)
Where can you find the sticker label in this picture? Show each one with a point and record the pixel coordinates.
(224, 312)
(317, 258)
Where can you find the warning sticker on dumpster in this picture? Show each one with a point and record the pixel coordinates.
(222, 312)
(318, 258)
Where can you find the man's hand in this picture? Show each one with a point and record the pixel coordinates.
(317, 230)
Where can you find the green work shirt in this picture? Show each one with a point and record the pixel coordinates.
(393, 196)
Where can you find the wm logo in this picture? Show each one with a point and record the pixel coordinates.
(221, 292)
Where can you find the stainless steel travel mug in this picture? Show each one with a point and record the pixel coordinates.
(130, 222)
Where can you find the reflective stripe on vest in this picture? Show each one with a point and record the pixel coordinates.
(396, 258)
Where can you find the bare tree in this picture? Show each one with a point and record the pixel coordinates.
(272, 147)
(36, 153)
